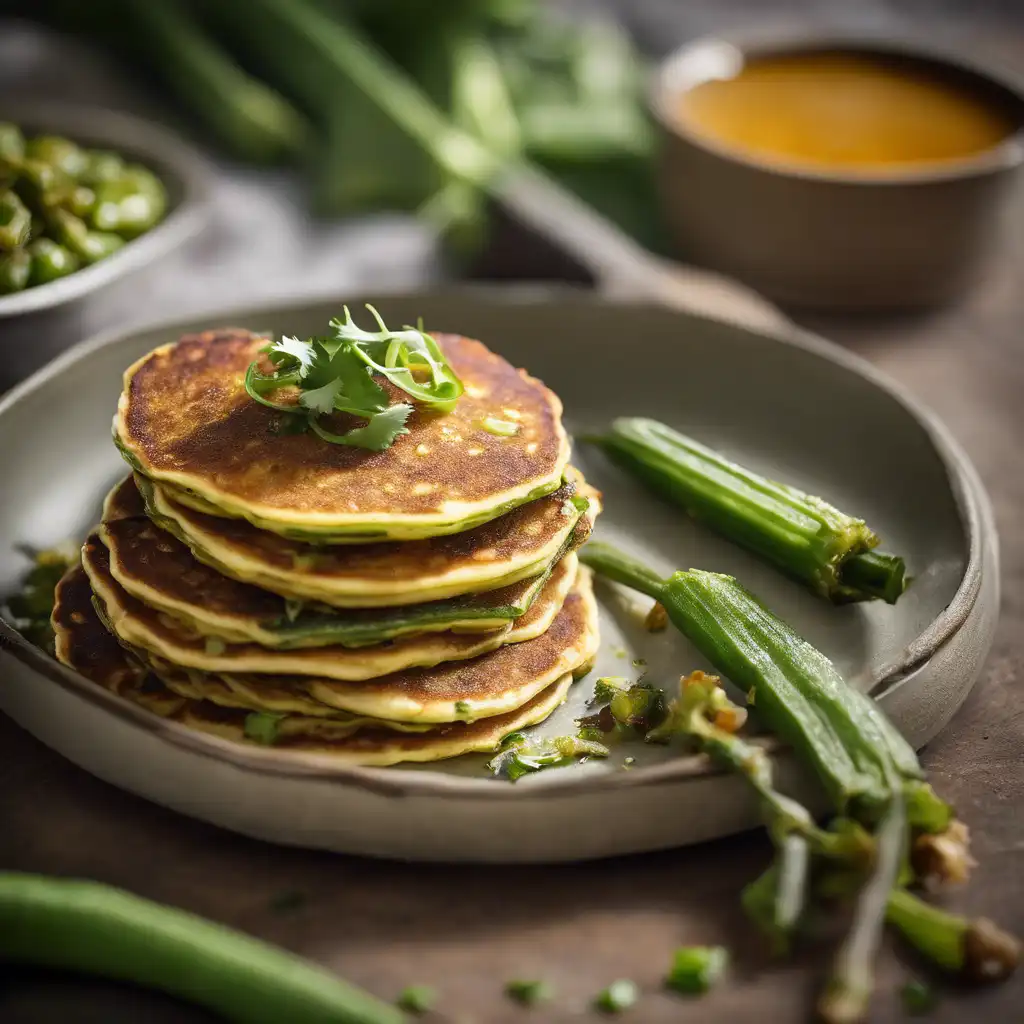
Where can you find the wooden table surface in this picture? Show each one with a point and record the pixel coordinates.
(466, 929)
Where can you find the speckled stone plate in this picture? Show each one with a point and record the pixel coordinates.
(789, 405)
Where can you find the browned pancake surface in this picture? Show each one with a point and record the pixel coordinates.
(186, 411)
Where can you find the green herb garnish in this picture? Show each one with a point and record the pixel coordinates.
(529, 993)
(417, 999)
(463, 708)
(339, 374)
(696, 968)
(214, 646)
(518, 759)
(29, 610)
(261, 727)
(618, 996)
(641, 706)
(918, 997)
(607, 686)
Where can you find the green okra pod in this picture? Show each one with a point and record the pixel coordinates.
(130, 204)
(65, 155)
(15, 221)
(89, 246)
(804, 536)
(50, 260)
(42, 186)
(14, 271)
(795, 689)
(12, 151)
(94, 929)
(101, 165)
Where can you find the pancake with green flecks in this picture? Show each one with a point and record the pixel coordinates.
(168, 555)
(186, 421)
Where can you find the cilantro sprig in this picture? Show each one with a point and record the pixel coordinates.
(340, 374)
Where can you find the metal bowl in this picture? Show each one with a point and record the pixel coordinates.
(183, 171)
(818, 238)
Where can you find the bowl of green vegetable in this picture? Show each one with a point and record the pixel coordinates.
(87, 196)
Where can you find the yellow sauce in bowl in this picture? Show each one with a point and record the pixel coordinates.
(844, 112)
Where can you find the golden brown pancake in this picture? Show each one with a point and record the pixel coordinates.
(381, 746)
(517, 546)
(185, 420)
(160, 571)
(141, 626)
(84, 644)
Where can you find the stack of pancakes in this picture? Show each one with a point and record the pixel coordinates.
(271, 587)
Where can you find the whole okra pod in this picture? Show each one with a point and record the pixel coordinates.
(804, 536)
(794, 688)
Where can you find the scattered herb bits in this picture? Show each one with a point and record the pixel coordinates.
(261, 727)
(529, 993)
(918, 997)
(29, 610)
(618, 996)
(417, 999)
(695, 969)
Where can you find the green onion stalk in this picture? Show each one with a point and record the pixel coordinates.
(804, 536)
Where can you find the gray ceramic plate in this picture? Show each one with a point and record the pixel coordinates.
(181, 169)
(796, 408)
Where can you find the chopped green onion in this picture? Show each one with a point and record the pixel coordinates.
(214, 646)
(515, 761)
(696, 968)
(261, 727)
(642, 706)
(417, 999)
(618, 996)
(529, 993)
(502, 428)
(607, 687)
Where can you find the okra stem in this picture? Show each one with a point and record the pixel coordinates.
(874, 574)
(978, 950)
(94, 929)
(804, 536)
(846, 997)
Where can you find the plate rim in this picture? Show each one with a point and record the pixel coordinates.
(972, 502)
(145, 140)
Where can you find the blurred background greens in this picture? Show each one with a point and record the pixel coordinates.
(405, 105)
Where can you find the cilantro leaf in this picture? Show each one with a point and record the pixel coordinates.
(300, 351)
(321, 400)
(403, 357)
(379, 433)
(362, 394)
(342, 374)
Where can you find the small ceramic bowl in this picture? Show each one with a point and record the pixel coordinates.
(183, 171)
(833, 239)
